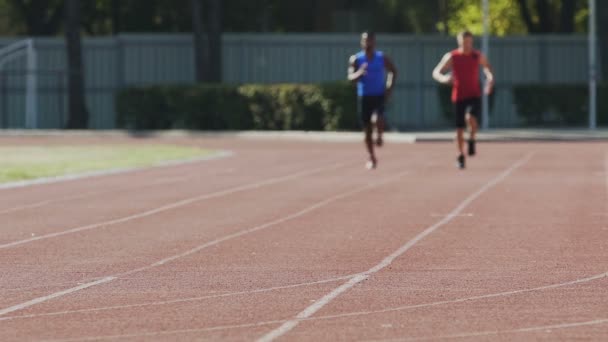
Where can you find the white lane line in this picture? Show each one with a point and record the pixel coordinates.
(543, 328)
(453, 216)
(311, 310)
(171, 206)
(329, 317)
(180, 300)
(330, 280)
(467, 299)
(267, 225)
(164, 333)
(243, 232)
(90, 194)
(80, 176)
(606, 179)
(54, 295)
(46, 286)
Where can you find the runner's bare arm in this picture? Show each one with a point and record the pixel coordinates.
(391, 77)
(355, 74)
(487, 70)
(444, 66)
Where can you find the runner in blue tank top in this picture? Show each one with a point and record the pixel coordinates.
(375, 75)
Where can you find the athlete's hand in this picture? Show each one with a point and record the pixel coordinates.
(362, 70)
(489, 88)
(388, 94)
(447, 79)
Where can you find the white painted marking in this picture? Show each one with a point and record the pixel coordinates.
(171, 206)
(80, 176)
(278, 221)
(319, 318)
(467, 299)
(453, 216)
(546, 328)
(606, 179)
(331, 280)
(177, 301)
(54, 295)
(165, 333)
(311, 310)
(90, 194)
(241, 233)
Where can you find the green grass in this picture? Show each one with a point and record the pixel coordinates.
(18, 163)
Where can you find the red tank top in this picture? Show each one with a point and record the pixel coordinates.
(465, 75)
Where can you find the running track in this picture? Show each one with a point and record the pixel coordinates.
(296, 241)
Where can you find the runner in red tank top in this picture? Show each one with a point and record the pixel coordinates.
(464, 63)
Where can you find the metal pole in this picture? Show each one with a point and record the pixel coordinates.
(31, 96)
(4, 94)
(485, 47)
(592, 66)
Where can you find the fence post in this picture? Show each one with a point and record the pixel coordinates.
(4, 94)
(31, 102)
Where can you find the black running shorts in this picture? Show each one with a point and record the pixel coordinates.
(370, 105)
(469, 106)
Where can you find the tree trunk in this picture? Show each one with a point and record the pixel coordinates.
(602, 12)
(214, 20)
(567, 14)
(42, 18)
(200, 52)
(545, 17)
(444, 10)
(78, 115)
(116, 18)
(527, 16)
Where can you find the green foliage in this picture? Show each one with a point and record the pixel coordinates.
(328, 106)
(150, 100)
(413, 16)
(209, 107)
(505, 17)
(558, 105)
(341, 109)
(544, 105)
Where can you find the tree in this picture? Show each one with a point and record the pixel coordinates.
(78, 116)
(201, 59)
(41, 18)
(214, 27)
(467, 14)
(602, 13)
(546, 16)
(207, 47)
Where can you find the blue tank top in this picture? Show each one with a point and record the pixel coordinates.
(374, 83)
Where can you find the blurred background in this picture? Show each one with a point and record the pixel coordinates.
(276, 64)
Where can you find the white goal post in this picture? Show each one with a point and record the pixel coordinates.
(18, 50)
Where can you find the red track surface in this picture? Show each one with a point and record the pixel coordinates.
(291, 240)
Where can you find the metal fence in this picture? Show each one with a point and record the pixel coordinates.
(113, 63)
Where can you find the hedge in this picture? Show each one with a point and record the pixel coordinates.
(546, 105)
(327, 106)
(558, 104)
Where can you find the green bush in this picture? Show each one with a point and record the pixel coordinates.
(546, 104)
(558, 104)
(341, 107)
(327, 106)
(150, 100)
(209, 107)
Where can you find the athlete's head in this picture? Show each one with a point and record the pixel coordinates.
(465, 41)
(368, 41)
